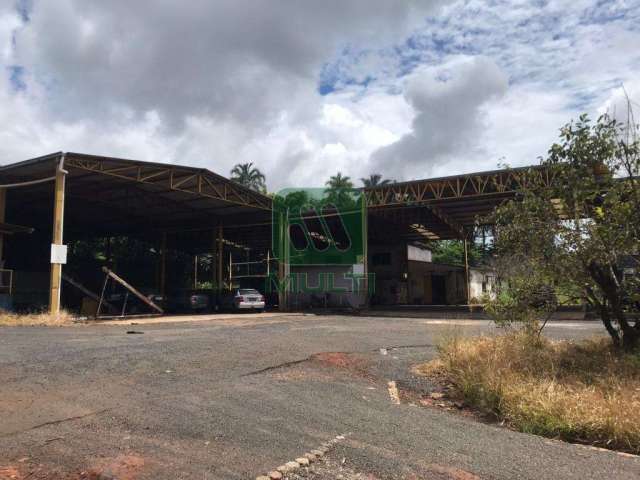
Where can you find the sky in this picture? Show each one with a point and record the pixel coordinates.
(304, 89)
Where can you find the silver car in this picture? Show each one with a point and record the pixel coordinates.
(243, 299)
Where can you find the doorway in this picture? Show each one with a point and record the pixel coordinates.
(438, 290)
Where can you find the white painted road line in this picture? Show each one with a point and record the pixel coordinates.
(393, 392)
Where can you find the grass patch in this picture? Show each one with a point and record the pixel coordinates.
(14, 319)
(583, 392)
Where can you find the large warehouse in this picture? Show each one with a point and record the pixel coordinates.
(75, 228)
(90, 202)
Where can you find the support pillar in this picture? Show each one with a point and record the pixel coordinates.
(268, 263)
(58, 228)
(365, 250)
(163, 265)
(284, 267)
(195, 271)
(281, 280)
(466, 271)
(3, 200)
(214, 263)
(219, 282)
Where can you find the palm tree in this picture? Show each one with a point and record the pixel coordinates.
(339, 182)
(375, 180)
(249, 176)
(339, 191)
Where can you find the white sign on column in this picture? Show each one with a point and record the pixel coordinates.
(59, 254)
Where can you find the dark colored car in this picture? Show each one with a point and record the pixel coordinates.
(129, 304)
(188, 301)
(242, 299)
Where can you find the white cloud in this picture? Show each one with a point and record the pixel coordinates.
(229, 58)
(334, 149)
(204, 83)
(623, 104)
(215, 83)
(447, 100)
(9, 21)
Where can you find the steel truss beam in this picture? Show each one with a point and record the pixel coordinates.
(197, 182)
(476, 185)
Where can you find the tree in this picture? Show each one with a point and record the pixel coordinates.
(340, 192)
(375, 180)
(579, 232)
(297, 200)
(249, 176)
(451, 252)
(339, 182)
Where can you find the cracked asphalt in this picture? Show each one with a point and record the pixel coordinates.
(235, 399)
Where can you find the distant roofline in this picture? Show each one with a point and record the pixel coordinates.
(460, 175)
(57, 155)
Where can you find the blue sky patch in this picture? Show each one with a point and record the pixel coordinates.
(16, 77)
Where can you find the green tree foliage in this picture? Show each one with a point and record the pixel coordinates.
(339, 191)
(249, 176)
(527, 299)
(451, 252)
(375, 180)
(297, 200)
(339, 182)
(579, 233)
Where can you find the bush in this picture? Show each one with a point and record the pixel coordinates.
(584, 392)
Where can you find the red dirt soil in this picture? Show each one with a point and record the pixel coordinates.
(122, 467)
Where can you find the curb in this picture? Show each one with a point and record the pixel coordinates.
(304, 460)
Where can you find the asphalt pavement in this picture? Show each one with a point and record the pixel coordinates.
(236, 398)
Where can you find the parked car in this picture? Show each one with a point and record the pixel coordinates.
(130, 304)
(242, 299)
(188, 301)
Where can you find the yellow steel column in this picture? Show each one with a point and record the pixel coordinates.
(58, 226)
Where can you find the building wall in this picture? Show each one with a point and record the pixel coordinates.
(404, 274)
(397, 280)
(388, 264)
(418, 254)
(423, 280)
(325, 286)
(481, 282)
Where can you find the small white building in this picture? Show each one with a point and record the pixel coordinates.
(482, 283)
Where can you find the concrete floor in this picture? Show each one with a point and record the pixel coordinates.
(234, 397)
